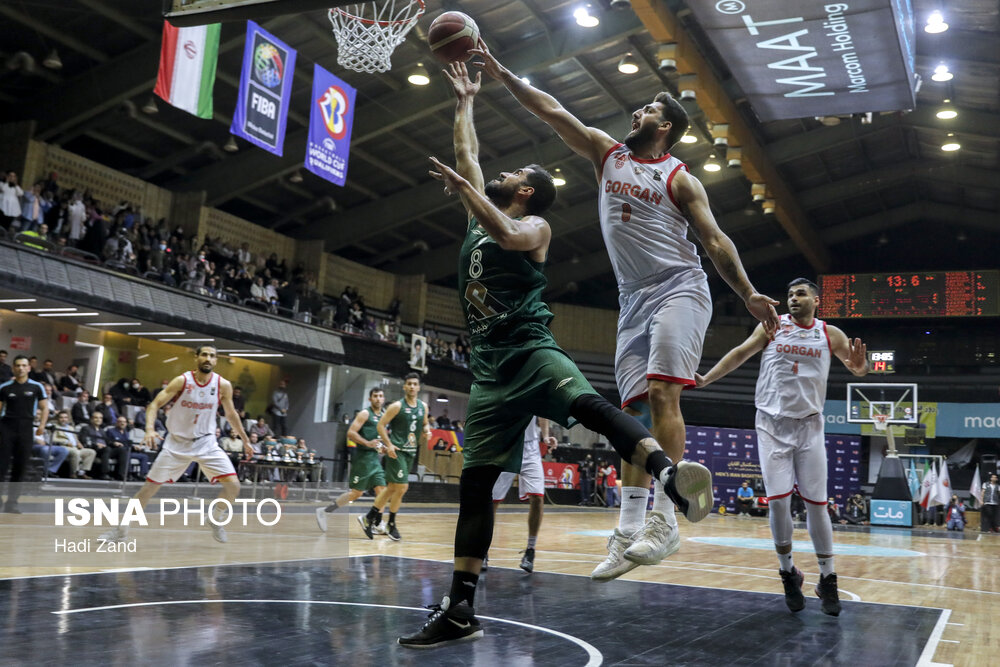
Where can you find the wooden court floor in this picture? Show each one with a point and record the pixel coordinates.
(955, 575)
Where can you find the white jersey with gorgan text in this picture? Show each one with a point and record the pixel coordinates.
(794, 369)
(192, 412)
(642, 225)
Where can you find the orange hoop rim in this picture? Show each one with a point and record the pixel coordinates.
(383, 24)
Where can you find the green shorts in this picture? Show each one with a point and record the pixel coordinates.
(397, 470)
(540, 381)
(366, 471)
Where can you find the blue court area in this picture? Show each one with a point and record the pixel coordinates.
(350, 611)
(839, 549)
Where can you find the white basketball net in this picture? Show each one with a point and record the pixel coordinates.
(367, 33)
(881, 422)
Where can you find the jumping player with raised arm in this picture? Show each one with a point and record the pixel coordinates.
(647, 200)
(791, 391)
(518, 369)
(192, 402)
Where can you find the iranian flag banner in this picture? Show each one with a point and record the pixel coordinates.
(188, 57)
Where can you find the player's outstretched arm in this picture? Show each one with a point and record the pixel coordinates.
(853, 353)
(735, 358)
(383, 428)
(588, 142)
(690, 194)
(167, 394)
(233, 417)
(466, 142)
(529, 233)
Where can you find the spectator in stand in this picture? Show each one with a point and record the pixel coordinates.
(991, 501)
(41, 233)
(117, 438)
(51, 455)
(857, 511)
(261, 428)
(833, 510)
(10, 199)
(48, 373)
(80, 458)
(587, 471)
(744, 499)
(93, 436)
(6, 372)
(239, 402)
(120, 394)
(443, 422)
(139, 395)
(395, 306)
(76, 218)
(955, 514)
(82, 409)
(259, 291)
(70, 382)
(279, 408)
(243, 255)
(610, 474)
(108, 409)
(32, 213)
(357, 319)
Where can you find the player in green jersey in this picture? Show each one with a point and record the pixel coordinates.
(404, 427)
(366, 468)
(518, 369)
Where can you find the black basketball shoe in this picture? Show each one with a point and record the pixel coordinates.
(826, 590)
(792, 581)
(446, 625)
(366, 525)
(393, 532)
(528, 561)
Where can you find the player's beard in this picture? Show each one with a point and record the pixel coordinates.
(205, 368)
(496, 193)
(641, 138)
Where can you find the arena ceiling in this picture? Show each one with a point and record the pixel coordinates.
(863, 196)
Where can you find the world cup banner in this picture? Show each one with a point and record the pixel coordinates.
(800, 58)
(561, 475)
(330, 120)
(265, 87)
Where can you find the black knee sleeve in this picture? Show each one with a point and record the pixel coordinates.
(474, 531)
(621, 430)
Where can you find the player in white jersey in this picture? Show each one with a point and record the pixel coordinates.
(192, 401)
(647, 199)
(791, 390)
(530, 484)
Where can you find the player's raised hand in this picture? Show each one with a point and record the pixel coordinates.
(452, 181)
(857, 357)
(464, 87)
(489, 64)
(551, 442)
(762, 306)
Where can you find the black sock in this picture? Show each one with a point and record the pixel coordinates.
(374, 516)
(392, 518)
(656, 462)
(332, 507)
(463, 587)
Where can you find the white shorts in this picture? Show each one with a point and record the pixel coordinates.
(531, 480)
(661, 329)
(171, 464)
(792, 455)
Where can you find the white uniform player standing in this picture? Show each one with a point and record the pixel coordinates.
(791, 391)
(647, 198)
(530, 484)
(192, 401)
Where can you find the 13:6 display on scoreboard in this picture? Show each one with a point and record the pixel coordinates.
(910, 294)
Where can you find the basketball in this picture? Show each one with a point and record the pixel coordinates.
(451, 35)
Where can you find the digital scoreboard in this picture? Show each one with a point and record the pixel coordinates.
(882, 362)
(912, 294)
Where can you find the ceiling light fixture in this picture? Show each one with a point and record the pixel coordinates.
(157, 333)
(628, 65)
(935, 23)
(44, 310)
(951, 146)
(526, 80)
(768, 207)
(188, 340)
(585, 18)
(758, 192)
(557, 178)
(67, 314)
(167, 361)
(113, 324)
(946, 113)
(711, 164)
(18, 300)
(689, 139)
(52, 61)
(419, 76)
(150, 106)
(256, 354)
(942, 74)
(231, 146)
(441, 398)
(296, 177)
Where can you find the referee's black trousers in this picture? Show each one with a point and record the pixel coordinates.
(16, 438)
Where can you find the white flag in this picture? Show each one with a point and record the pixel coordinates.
(943, 485)
(928, 486)
(977, 488)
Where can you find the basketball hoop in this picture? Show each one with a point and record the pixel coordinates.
(367, 33)
(881, 422)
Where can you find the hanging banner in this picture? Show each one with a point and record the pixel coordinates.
(265, 87)
(330, 120)
(796, 59)
(561, 475)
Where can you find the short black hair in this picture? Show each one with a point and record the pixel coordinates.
(675, 113)
(805, 281)
(19, 357)
(412, 376)
(545, 190)
(375, 389)
(198, 349)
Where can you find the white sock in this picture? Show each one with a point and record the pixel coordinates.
(531, 541)
(785, 561)
(632, 514)
(663, 504)
(825, 566)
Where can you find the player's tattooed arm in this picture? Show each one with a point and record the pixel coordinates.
(735, 358)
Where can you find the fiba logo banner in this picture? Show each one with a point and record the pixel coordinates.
(265, 87)
(810, 58)
(330, 120)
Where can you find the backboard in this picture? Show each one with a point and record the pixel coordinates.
(183, 13)
(866, 399)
